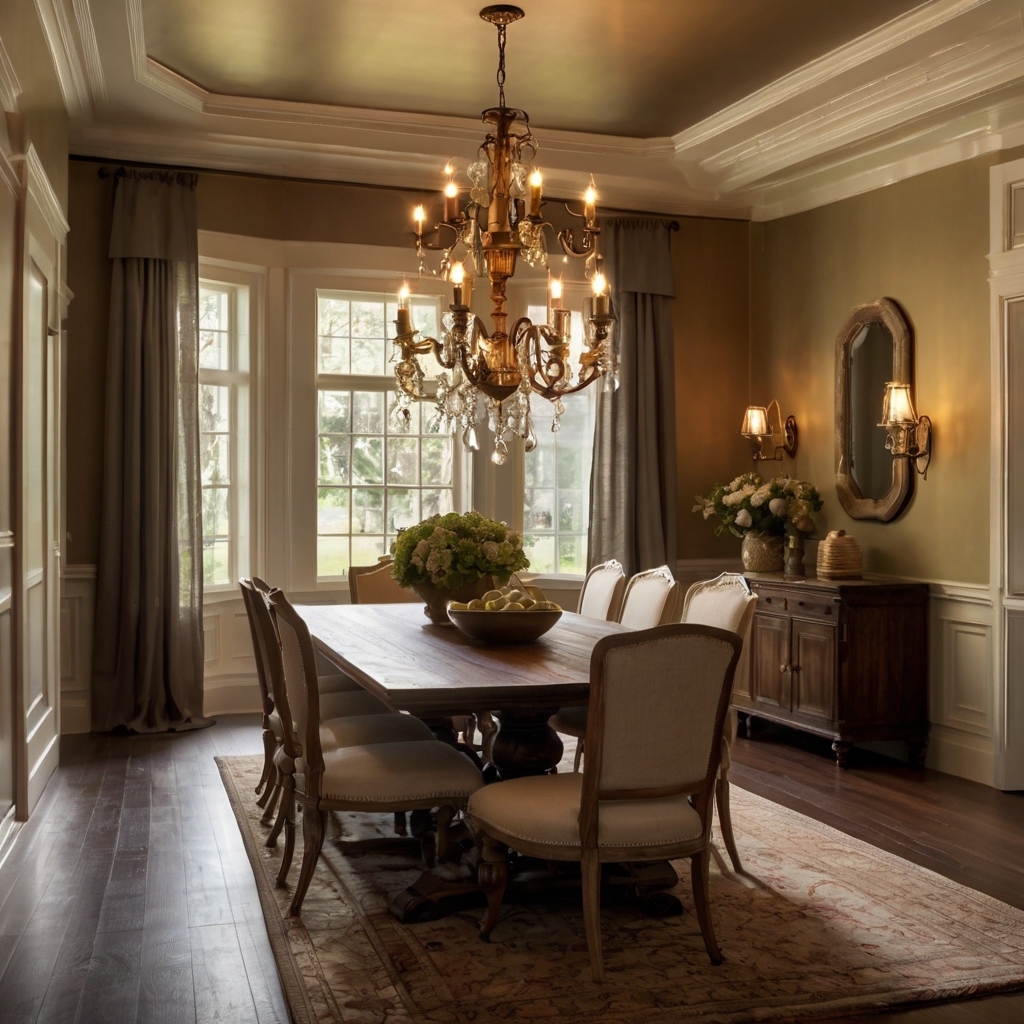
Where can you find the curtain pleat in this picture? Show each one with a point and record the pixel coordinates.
(633, 477)
(148, 643)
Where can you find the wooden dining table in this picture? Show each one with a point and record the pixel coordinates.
(434, 671)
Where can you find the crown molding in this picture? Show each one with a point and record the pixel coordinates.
(37, 183)
(10, 87)
(355, 164)
(71, 78)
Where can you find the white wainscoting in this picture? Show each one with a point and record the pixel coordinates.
(962, 669)
(77, 604)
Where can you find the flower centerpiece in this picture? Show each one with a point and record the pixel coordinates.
(762, 513)
(455, 557)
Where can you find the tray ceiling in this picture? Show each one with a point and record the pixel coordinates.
(641, 68)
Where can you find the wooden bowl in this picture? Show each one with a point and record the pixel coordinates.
(501, 628)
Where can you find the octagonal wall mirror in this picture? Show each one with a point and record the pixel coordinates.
(872, 348)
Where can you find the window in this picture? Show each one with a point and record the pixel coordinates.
(377, 472)
(223, 427)
(556, 497)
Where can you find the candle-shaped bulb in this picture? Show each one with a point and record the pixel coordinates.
(458, 274)
(599, 284)
(451, 201)
(403, 296)
(536, 182)
(404, 322)
(590, 196)
(589, 199)
(451, 190)
(419, 215)
(448, 169)
(556, 289)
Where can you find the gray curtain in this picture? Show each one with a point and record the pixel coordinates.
(148, 644)
(633, 480)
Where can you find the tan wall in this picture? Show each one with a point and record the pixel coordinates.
(922, 242)
(711, 329)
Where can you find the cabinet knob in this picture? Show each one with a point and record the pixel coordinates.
(785, 668)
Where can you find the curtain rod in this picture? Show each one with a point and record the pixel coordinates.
(103, 171)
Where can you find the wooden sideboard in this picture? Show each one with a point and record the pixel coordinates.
(845, 659)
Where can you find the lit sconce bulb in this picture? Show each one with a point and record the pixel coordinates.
(448, 169)
(590, 196)
(451, 190)
(451, 201)
(404, 321)
(458, 274)
(535, 179)
(463, 286)
(598, 284)
(589, 199)
(419, 215)
(556, 289)
(403, 295)
(535, 193)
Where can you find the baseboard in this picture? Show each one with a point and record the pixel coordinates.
(75, 716)
(232, 696)
(963, 754)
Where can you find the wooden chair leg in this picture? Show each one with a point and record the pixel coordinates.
(269, 749)
(314, 826)
(492, 874)
(273, 792)
(288, 806)
(591, 867)
(445, 814)
(401, 829)
(699, 876)
(287, 790)
(725, 820)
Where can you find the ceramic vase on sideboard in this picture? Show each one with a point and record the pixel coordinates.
(762, 552)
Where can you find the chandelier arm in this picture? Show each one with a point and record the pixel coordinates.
(566, 239)
(551, 392)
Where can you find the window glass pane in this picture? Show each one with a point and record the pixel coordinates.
(334, 458)
(214, 325)
(367, 550)
(368, 510)
(541, 553)
(436, 502)
(214, 408)
(216, 528)
(332, 510)
(216, 563)
(572, 555)
(399, 424)
(367, 460)
(332, 556)
(215, 458)
(538, 509)
(368, 412)
(335, 408)
(333, 333)
(437, 460)
(403, 460)
(403, 508)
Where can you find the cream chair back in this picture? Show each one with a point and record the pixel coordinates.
(652, 598)
(601, 596)
(726, 602)
(647, 736)
(249, 599)
(372, 584)
(299, 663)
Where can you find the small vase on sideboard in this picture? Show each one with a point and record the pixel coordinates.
(762, 552)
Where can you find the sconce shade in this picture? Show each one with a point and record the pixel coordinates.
(755, 422)
(897, 406)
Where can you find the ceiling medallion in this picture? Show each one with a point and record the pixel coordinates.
(482, 232)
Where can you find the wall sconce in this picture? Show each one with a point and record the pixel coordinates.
(758, 428)
(909, 436)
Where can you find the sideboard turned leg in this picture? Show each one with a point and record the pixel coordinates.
(842, 751)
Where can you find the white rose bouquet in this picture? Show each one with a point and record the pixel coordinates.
(751, 503)
(455, 549)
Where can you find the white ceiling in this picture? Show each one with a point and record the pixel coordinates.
(760, 108)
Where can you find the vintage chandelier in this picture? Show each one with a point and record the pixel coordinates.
(481, 234)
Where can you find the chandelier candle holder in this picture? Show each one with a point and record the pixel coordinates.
(482, 237)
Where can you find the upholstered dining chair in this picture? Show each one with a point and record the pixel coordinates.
(647, 789)
(651, 599)
(373, 584)
(728, 603)
(601, 596)
(345, 730)
(370, 778)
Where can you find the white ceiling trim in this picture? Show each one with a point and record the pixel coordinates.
(358, 164)
(64, 53)
(887, 37)
(10, 87)
(90, 49)
(37, 182)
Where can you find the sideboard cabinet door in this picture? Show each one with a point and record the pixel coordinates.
(770, 662)
(814, 669)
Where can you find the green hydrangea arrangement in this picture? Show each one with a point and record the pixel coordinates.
(455, 549)
(750, 503)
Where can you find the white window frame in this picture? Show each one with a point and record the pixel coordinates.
(306, 383)
(245, 289)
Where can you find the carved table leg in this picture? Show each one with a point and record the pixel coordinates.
(525, 744)
(842, 751)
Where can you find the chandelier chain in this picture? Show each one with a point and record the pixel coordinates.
(501, 65)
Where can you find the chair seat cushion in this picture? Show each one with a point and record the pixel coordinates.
(390, 773)
(545, 808)
(336, 682)
(362, 730)
(355, 702)
(570, 721)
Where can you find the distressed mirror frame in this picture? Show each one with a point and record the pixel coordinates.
(889, 314)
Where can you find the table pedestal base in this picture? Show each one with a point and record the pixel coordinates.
(525, 745)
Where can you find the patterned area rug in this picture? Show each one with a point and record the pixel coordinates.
(832, 926)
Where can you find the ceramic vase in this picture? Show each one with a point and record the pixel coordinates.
(435, 599)
(795, 554)
(762, 552)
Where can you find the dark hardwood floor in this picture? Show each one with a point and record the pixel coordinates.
(128, 895)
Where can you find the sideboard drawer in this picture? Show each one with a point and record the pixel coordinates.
(814, 607)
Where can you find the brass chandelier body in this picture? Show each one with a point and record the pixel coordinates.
(489, 232)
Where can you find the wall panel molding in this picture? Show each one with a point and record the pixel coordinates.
(77, 610)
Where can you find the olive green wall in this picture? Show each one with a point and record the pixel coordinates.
(711, 321)
(711, 326)
(922, 242)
